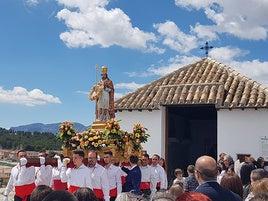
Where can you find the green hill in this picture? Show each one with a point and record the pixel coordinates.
(30, 141)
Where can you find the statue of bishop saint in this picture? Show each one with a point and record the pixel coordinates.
(103, 93)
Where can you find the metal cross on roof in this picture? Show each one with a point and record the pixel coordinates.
(206, 48)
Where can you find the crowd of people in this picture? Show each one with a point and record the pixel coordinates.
(142, 179)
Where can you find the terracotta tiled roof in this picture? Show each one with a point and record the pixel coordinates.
(203, 82)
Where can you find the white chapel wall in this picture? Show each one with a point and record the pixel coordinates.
(240, 132)
(153, 121)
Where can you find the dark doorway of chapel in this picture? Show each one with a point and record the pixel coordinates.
(191, 132)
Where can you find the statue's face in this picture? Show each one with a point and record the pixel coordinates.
(103, 76)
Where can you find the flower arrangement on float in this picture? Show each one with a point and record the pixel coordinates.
(111, 137)
(112, 129)
(88, 140)
(139, 136)
(66, 132)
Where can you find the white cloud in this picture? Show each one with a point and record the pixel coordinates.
(118, 95)
(20, 96)
(204, 32)
(227, 54)
(255, 69)
(162, 68)
(32, 2)
(174, 63)
(193, 4)
(129, 86)
(83, 92)
(245, 19)
(139, 74)
(126, 87)
(91, 24)
(174, 38)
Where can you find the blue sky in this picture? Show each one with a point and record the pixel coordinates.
(49, 49)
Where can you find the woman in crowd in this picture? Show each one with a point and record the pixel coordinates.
(128, 196)
(260, 187)
(85, 194)
(193, 196)
(260, 197)
(233, 183)
(176, 190)
(60, 195)
(162, 163)
(163, 195)
(260, 162)
(231, 170)
(40, 192)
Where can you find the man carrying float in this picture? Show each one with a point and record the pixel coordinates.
(22, 178)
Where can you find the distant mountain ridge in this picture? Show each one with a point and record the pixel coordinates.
(51, 128)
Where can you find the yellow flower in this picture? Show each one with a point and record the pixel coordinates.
(95, 137)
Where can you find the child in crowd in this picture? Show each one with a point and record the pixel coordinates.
(179, 177)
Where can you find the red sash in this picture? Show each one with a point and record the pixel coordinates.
(98, 193)
(72, 189)
(58, 185)
(113, 192)
(24, 191)
(144, 185)
(123, 179)
(158, 185)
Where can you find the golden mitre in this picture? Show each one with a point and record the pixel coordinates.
(104, 70)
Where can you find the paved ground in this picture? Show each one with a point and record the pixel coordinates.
(10, 196)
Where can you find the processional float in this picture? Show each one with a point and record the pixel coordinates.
(105, 133)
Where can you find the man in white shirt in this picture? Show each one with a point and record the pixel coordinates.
(56, 183)
(99, 177)
(148, 177)
(44, 172)
(79, 175)
(114, 176)
(162, 176)
(22, 178)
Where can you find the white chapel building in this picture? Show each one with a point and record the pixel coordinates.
(204, 108)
